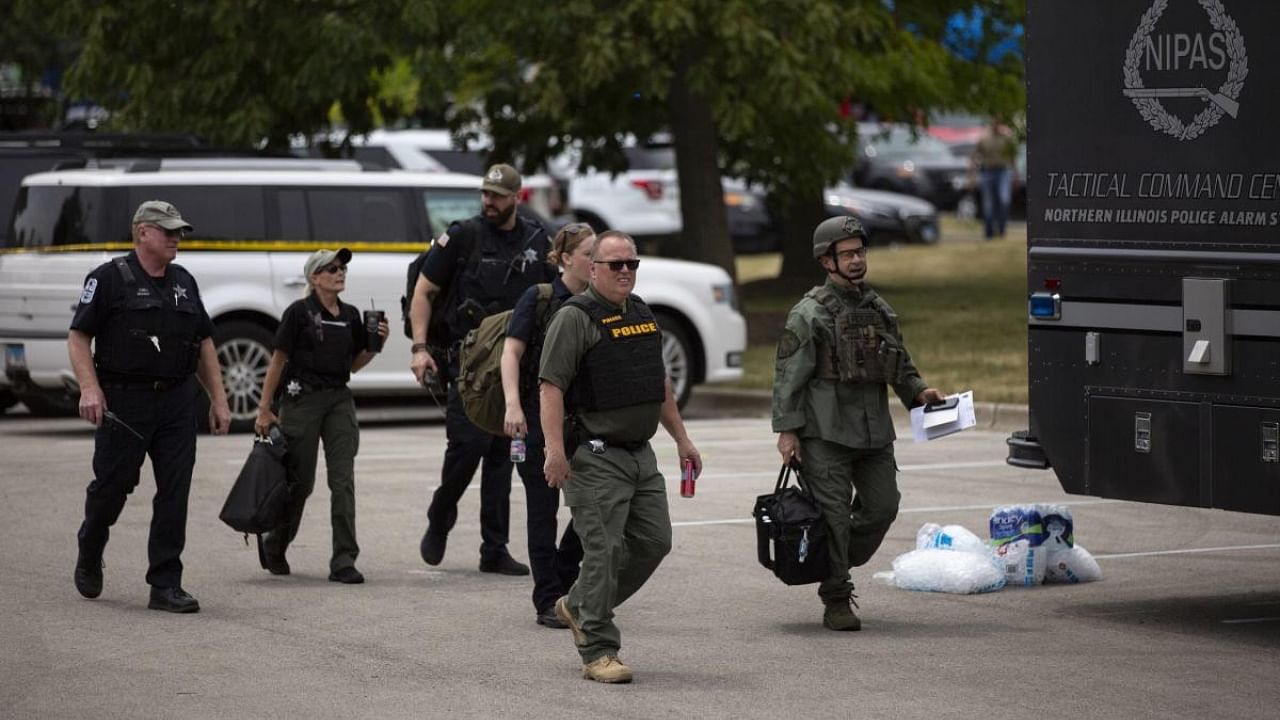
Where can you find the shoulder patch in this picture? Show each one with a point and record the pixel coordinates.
(90, 287)
(443, 239)
(788, 344)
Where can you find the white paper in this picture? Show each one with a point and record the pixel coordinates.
(931, 425)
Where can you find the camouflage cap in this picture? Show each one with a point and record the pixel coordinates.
(502, 179)
(833, 230)
(159, 212)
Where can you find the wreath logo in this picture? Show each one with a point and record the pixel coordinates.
(1223, 101)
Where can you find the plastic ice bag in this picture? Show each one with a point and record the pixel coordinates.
(950, 537)
(1021, 564)
(1073, 565)
(936, 570)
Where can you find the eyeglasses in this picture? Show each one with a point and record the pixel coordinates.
(846, 255)
(333, 268)
(617, 265)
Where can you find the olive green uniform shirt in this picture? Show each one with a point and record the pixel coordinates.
(855, 415)
(569, 336)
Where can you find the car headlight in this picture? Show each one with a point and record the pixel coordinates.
(906, 169)
(724, 294)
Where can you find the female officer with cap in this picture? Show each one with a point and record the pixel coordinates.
(320, 342)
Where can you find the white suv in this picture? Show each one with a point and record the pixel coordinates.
(254, 230)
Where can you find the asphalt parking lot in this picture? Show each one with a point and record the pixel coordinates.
(1185, 624)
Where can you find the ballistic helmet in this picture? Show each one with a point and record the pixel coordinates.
(833, 230)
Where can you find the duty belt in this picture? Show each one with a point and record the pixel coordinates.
(149, 385)
(599, 445)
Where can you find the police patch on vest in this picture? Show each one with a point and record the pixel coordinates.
(788, 344)
(90, 287)
(632, 330)
(610, 319)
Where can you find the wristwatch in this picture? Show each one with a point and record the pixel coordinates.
(418, 347)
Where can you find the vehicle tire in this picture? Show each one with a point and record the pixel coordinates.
(677, 355)
(50, 404)
(597, 225)
(244, 352)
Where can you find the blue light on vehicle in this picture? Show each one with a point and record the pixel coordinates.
(1045, 306)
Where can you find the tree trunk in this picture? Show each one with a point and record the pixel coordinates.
(798, 215)
(705, 236)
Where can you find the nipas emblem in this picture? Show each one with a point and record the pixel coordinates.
(1223, 101)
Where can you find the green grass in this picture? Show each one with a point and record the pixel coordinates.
(961, 304)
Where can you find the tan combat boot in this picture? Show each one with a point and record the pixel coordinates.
(607, 669)
(840, 616)
(566, 617)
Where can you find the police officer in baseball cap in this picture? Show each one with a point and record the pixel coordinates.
(139, 335)
(840, 351)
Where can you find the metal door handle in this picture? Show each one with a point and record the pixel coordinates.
(296, 281)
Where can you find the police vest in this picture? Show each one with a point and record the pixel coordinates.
(866, 347)
(322, 353)
(496, 272)
(155, 336)
(625, 367)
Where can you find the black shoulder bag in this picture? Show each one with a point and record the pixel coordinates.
(791, 536)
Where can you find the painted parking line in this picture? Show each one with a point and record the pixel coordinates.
(1244, 621)
(1187, 551)
(903, 511)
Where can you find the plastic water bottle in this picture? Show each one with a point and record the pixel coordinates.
(517, 450)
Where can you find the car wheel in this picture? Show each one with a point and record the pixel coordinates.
(597, 225)
(244, 352)
(677, 355)
(50, 404)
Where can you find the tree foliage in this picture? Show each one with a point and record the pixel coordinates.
(750, 89)
(239, 72)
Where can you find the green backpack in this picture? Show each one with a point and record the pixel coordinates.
(479, 379)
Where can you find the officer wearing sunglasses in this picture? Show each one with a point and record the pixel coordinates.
(602, 368)
(320, 342)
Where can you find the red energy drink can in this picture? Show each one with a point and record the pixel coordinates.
(687, 481)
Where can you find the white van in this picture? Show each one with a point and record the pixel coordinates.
(253, 232)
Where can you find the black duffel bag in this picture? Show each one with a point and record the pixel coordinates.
(791, 536)
(260, 495)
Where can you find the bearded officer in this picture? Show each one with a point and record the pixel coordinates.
(602, 363)
(150, 334)
(841, 348)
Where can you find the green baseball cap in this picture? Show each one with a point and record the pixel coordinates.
(833, 230)
(502, 179)
(159, 212)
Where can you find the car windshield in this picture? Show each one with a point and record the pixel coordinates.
(899, 144)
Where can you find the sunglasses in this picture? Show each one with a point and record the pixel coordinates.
(167, 232)
(575, 228)
(333, 268)
(617, 265)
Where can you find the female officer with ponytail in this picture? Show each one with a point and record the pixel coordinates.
(320, 342)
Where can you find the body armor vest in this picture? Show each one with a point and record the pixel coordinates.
(867, 344)
(625, 367)
(495, 274)
(155, 336)
(322, 355)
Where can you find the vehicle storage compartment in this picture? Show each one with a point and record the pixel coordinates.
(1146, 450)
(1246, 459)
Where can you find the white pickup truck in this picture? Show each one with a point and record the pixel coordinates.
(254, 230)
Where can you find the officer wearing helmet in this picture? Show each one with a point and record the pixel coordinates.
(841, 348)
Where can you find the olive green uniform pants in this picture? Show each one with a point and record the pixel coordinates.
(856, 523)
(315, 415)
(619, 505)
